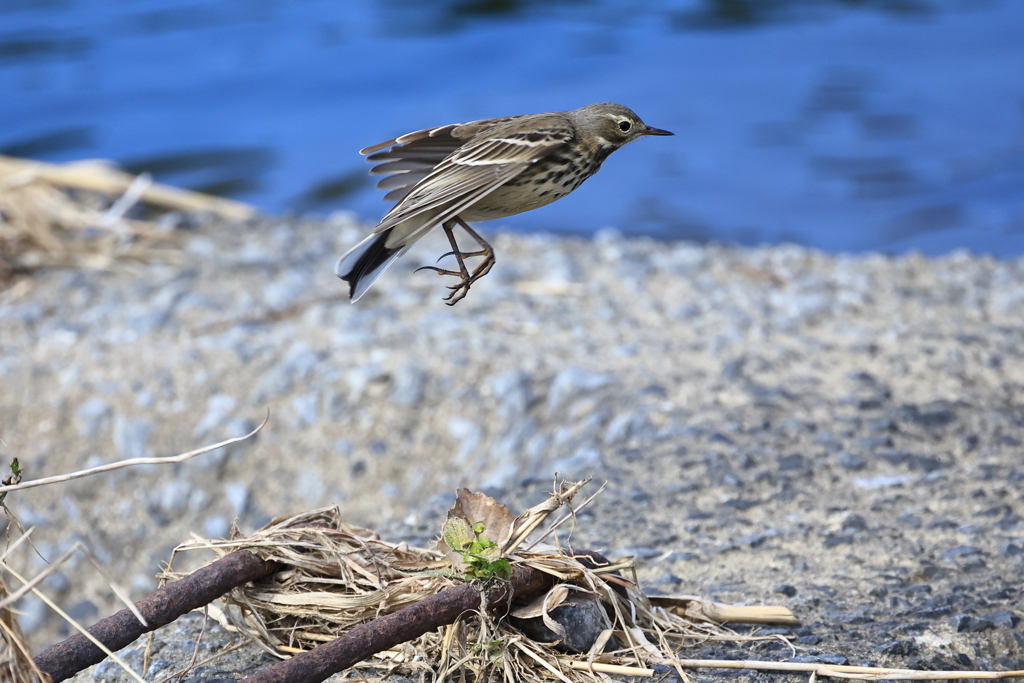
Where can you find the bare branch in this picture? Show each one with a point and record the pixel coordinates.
(131, 463)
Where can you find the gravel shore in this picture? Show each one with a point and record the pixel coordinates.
(838, 434)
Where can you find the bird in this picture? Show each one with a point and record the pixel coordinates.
(477, 171)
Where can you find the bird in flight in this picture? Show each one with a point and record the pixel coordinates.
(477, 171)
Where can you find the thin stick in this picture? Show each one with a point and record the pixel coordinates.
(42, 596)
(40, 577)
(571, 515)
(18, 542)
(609, 668)
(864, 672)
(131, 462)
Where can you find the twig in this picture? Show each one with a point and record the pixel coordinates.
(411, 622)
(131, 462)
(570, 515)
(162, 606)
(609, 668)
(126, 201)
(100, 177)
(862, 672)
(85, 635)
(40, 577)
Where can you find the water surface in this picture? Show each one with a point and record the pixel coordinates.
(844, 125)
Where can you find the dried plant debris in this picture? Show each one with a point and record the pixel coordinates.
(76, 215)
(337, 576)
(15, 659)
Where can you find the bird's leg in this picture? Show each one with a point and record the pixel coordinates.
(462, 272)
(486, 251)
(466, 278)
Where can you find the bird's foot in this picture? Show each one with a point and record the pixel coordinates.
(464, 254)
(466, 279)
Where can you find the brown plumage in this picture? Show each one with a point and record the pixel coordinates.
(478, 171)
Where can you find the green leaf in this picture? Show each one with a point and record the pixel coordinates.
(457, 534)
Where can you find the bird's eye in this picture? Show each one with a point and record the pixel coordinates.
(624, 126)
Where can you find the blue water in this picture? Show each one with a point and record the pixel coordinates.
(844, 125)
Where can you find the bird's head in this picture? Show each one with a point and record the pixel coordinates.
(612, 125)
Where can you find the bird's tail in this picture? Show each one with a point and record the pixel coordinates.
(364, 263)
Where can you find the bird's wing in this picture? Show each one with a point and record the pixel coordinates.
(489, 159)
(412, 156)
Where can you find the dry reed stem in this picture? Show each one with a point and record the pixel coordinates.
(42, 224)
(78, 627)
(16, 663)
(868, 673)
(100, 176)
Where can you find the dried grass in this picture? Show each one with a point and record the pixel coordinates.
(74, 215)
(339, 576)
(15, 658)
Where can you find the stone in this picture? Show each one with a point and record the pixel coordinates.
(573, 383)
(92, 417)
(131, 436)
(218, 408)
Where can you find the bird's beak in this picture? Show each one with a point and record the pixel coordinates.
(656, 131)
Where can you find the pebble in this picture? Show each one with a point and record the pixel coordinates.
(571, 384)
(217, 526)
(237, 495)
(1004, 618)
(965, 623)
(305, 409)
(218, 408)
(131, 436)
(408, 385)
(798, 397)
(92, 416)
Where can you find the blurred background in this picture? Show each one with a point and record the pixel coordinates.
(844, 125)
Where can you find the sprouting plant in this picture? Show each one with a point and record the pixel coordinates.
(481, 554)
(13, 478)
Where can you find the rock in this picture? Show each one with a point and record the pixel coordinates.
(83, 611)
(571, 384)
(964, 623)
(899, 648)
(468, 434)
(1004, 618)
(131, 436)
(787, 590)
(959, 552)
(512, 391)
(793, 463)
(359, 378)
(174, 497)
(218, 408)
(92, 417)
(582, 616)
(579, 464)
(833, 541)
(408, 385)
(237, 495)
(854, 522)
(305, 409)
(32, 613)
(217, 527)
(851, 462)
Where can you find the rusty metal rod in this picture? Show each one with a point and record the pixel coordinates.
(398, 627)
(164, 605)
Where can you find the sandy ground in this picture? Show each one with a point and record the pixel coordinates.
(838, 434)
